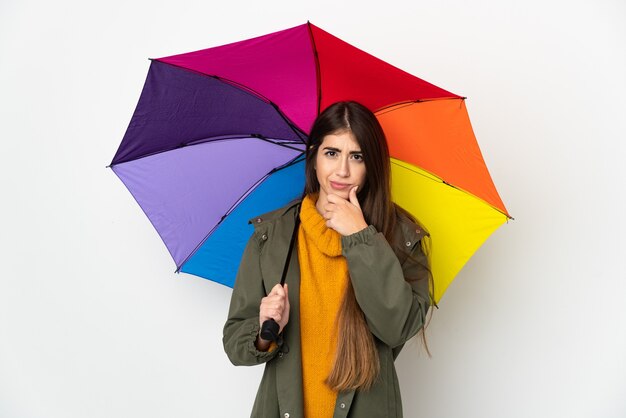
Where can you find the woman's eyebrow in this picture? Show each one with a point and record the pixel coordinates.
(339, 151)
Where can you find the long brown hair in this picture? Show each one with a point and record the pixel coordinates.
(356, 364)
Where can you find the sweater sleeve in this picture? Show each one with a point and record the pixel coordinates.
(242, 326)
(395, 309)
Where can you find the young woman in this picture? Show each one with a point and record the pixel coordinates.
(357, 288)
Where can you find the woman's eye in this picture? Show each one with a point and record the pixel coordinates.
(330, 153)
(357, 157)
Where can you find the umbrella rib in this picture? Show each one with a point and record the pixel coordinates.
(400, 105)
(318, 70)
(296, 160)
(438, 179)
(228, 211)
(301, 135)
(282, 143)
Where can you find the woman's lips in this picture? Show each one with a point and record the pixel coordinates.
(339, 186)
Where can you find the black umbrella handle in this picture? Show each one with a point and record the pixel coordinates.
(270, 328)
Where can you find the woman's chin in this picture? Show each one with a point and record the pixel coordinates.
(344, 194)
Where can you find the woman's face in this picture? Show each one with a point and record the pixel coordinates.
(339, 165)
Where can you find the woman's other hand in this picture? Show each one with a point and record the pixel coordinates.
(344, 216)
(274, 306)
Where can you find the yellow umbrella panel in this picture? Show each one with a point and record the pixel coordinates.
(458, 222)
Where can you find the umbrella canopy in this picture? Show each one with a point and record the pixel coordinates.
(218, 137)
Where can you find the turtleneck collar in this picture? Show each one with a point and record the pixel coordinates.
(327, 240)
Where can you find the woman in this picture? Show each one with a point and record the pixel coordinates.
(357, 288)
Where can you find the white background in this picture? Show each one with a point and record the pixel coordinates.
(93, 321)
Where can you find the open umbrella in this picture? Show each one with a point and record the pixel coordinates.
(218, 137)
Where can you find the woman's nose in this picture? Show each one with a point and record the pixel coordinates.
(343, 169)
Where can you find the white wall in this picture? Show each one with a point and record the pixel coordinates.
(93, 321)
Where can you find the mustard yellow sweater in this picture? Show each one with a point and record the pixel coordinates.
(323, 280)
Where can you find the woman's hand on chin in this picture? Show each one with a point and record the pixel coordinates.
(344, 216)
